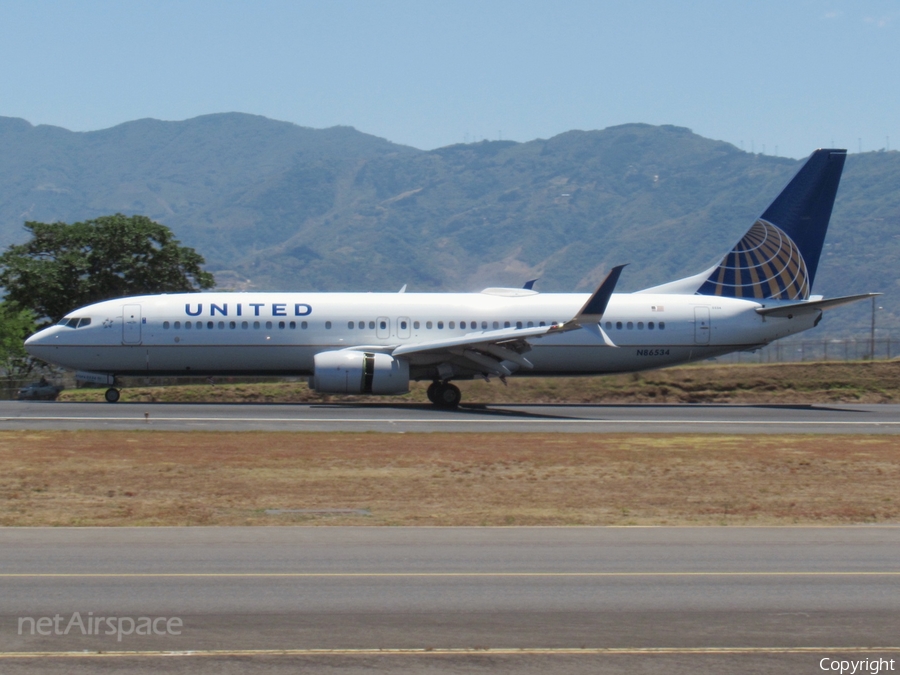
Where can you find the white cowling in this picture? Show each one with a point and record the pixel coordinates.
(350, 372)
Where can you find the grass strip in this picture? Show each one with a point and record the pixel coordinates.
(71, 478)
(791, 383)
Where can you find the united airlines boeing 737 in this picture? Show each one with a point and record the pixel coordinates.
(375, 343)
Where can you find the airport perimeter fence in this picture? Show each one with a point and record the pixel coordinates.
(795, 351)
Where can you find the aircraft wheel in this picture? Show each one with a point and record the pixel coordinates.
(111, 395)
(431, 392)
(447, 395)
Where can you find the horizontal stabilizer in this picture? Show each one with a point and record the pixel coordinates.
(798, 308)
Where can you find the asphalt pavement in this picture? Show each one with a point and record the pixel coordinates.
(577, 599)
(394, 418)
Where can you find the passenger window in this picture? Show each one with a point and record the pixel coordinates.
(416, 325)
(187, 325)
(281, 325)
(462, 324)
(506, 324)
(662, 325)
(428, 325)
(350, 325)
(256, 325)
(177, 325)
(304, 325)
(640, 325)
(292, 325)
(328, 325)
(531, 324)
(221, 325)
(371, 325)
(166, 325)
(618, 325)
(269, 325)
(361, 325)
(608, 325)
(484, 325)
(245, 325)
(544, 324)
(403, 325)
(440, 325)
(629, 325)
(232, 324)
(210, 325)
(383, 325)
(649, 325)
(518, 324)
(452, 324)
(496, 325)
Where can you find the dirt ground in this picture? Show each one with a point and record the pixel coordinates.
(200, 478)
(784, 383)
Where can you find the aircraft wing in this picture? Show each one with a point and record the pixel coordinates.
(487, 350)
(812, 306)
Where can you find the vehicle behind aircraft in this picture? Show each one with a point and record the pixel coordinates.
(376, 343)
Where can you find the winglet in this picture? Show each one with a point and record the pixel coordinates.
(589, 315)
(596, 305)
(529, 285)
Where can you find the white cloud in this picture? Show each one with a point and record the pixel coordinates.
(880, 21)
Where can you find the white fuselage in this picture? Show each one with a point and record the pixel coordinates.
(280, 333)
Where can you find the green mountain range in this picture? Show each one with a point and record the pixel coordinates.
(272, 205)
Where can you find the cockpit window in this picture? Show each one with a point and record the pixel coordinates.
(76, 322)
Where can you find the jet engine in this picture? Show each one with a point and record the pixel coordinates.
(350, 372)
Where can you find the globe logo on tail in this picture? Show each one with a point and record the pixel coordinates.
(765, 264)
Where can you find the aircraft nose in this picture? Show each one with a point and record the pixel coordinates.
(39, 339)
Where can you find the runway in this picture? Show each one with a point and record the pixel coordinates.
(563, 600)
(398, 418)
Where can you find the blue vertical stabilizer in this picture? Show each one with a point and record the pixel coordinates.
(779, 255)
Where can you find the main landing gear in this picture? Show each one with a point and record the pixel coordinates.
(111, 395)
(444, 394)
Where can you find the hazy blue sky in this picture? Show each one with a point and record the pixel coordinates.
(791, 75)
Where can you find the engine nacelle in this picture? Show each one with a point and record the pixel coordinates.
(349, 372)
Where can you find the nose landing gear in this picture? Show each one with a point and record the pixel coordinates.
(444, 394)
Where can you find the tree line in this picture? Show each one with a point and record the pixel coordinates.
(66, 266)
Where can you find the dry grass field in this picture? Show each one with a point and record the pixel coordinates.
(200, 478)
(786, 383)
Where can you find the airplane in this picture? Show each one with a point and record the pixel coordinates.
(376, 343)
